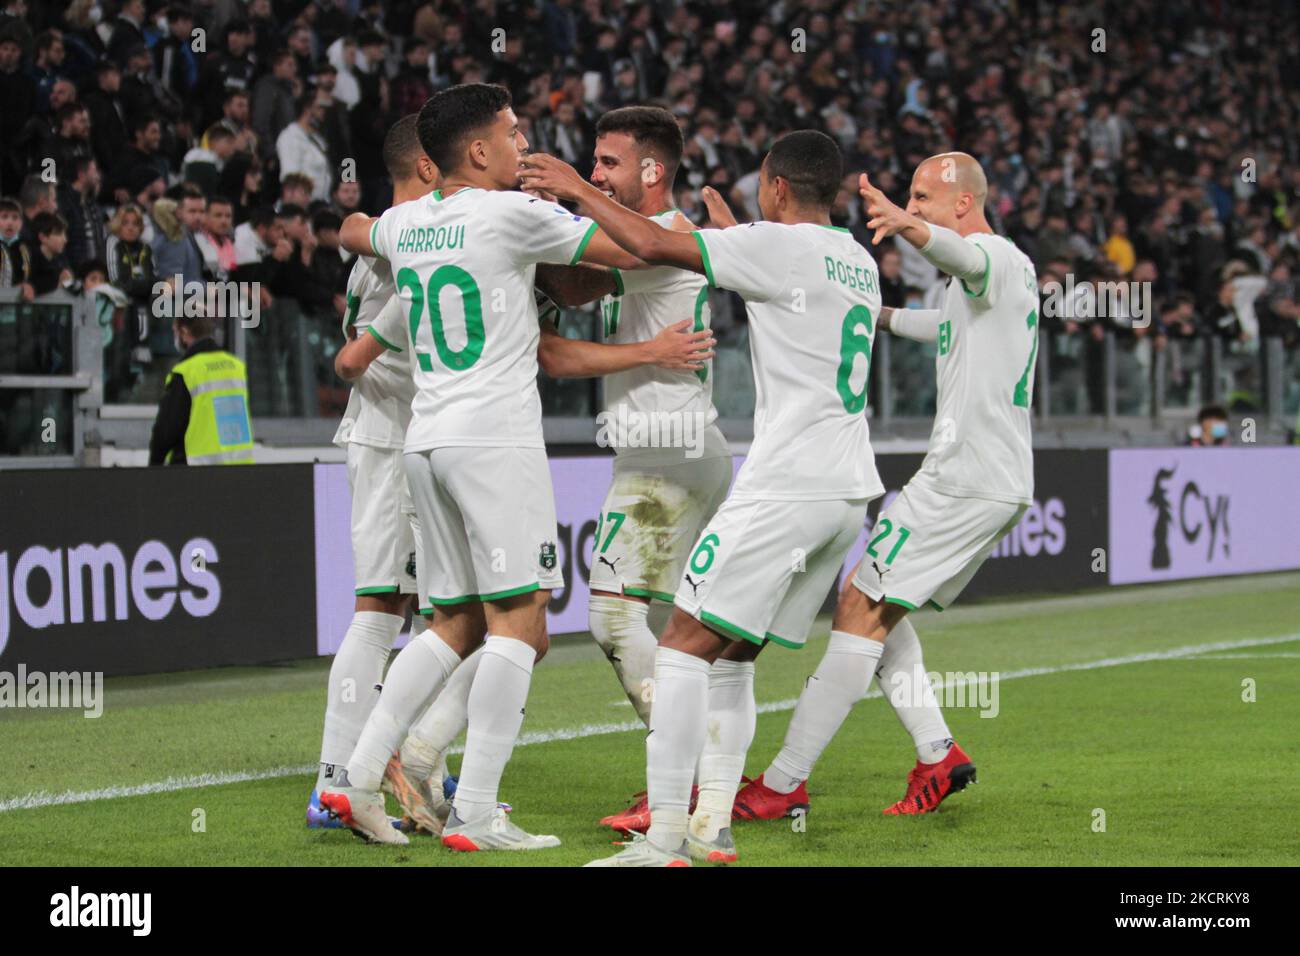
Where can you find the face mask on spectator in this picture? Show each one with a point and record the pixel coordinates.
(1219, 431)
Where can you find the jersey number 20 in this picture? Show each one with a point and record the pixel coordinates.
(457, 360)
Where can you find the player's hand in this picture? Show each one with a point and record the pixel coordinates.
(720, 213)
(546, 173)
(883, 216)
(678, 347)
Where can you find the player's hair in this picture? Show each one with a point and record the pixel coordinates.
(450, 118)
(652, 128)
(402, 149)
(49, 223)
(811, 163)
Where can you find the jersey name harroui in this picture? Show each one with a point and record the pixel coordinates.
(463, 265)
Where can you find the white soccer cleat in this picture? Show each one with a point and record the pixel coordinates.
(362, 812)
(419, 800)
(641, 852)
(716, 847)
(492, 832)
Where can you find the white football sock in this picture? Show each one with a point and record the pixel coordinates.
(730, 732)
(355, 675)
(620, 628)
(840, 681)
(445, 720)
(496, 712)
(678, 723)
(412, 681)
(906, 685)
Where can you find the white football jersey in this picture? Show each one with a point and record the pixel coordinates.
(812, 294)
(379, 407)
(464, 265)
(981, 445)
(647, 302)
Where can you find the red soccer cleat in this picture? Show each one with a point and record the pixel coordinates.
(636, 818)
(930, 783)
(757, 801)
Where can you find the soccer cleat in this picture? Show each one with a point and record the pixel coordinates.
(449, 786)
(641, 852)
(426, 809)
(318, 818)
(492, 832)
(636, 818)
(720, 848)
(362, 812)
(930, 783)
(757, 801)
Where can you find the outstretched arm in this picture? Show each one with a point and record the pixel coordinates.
(676, 347)
(575, 285)
(642, 238)
(943, 248)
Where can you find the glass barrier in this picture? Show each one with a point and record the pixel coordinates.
(912, 381)
(36, 338)
(1186, 362)
(1134, 354)
(1076, 370)
(36, 421)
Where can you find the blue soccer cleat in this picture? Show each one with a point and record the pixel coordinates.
(318, 818)
(449, 786)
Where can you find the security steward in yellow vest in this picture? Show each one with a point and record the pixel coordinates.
(203, 416)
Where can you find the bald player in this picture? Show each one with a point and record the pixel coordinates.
(975, 483)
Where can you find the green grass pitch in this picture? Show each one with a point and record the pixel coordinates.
(1128, 702)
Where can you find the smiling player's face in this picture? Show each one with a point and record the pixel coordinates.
(618, 171)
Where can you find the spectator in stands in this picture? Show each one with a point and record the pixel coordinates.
(36, 196)
(47, 68)
(50, 266)
(129, 263)
(228, 71)
(15, 254)
(73, 140)
(143, 153)
(346, 197)
(18, 94)
(176, 253)
(296, 190)
(214, 239)
(273, 100)
(1211, 428)
(241, 181)
(203, 165)
(175, 62)
(108, 132)
(79, 206)
(234, 117)
(128, 30)
(1118, 249)
(302, 149)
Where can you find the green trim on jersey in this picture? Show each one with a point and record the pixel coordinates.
(381, 340)
(493, 596)
(901, 603)
(617, 276)
(393, 589)
(987, 269)
(582, 246)
(704, 255)
(837, 229)
(719, 623)
(781, 640)
(935, 604)
(510, 592)
(646, 593)
(373, 226)
(437, 195)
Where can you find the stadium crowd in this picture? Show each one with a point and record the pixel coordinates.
(1151, 142)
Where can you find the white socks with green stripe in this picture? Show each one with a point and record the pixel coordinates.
(355, 676)
(445, 720)
(915, 703)
(496, 712)
(678, 724)
(622, 630)
(841, 680)
(412, 682)
(730, 732)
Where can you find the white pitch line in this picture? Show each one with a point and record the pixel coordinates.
(43, 798)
